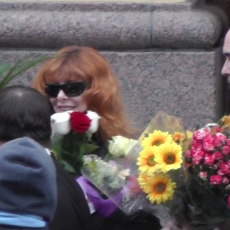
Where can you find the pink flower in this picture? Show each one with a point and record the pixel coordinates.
(196, 145)
(228, 163)
(198, 154)
(208, 143)
(201, 134)
(203, 175)
(217, 155)
(215, 179)
(225, 150)
(208, 159)
(215, 166)
(197, 157)
(224, 169)
(196, 161)
(188, 154)
(225, 180)
(228, 142)
(220, 139)
(219, 172)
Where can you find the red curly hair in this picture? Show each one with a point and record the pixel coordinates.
(102, 95)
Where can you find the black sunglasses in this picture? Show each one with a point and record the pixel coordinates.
(73, 89)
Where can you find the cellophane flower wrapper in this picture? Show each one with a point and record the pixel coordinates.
(136, 170)
(206, 196)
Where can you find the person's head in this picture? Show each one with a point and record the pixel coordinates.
(226, 52)
(24, 112)
(80, 79)
(28, 183)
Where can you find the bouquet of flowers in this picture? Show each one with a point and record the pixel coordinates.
(71, 137)
(146, 172)
(208, 171)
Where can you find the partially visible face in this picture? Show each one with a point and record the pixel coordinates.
(226, 51)
(64, 103)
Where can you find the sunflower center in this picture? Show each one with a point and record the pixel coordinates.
(170, 159)
(157, 142)
(160, 188)
(151, 161)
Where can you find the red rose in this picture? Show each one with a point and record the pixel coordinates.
(79, 122)
(215, 179)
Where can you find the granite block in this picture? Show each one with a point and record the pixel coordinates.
(59, 29)
(185, 84)
(109, 26)
(200, 32)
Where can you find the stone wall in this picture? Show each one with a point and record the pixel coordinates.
(166, 56)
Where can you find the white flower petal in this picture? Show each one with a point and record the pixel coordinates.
(120, 146)
(60, 123)
(94, 117)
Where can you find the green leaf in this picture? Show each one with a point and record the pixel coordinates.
(67, 166)
(3, 68)
(20, 67)
(90, 148)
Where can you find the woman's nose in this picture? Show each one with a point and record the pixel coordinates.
(61, 95)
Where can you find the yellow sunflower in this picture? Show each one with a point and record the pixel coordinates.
(156, 139)
(178, 137)
(159, 188)
(142, 179)
(146, 160)
(169, 156)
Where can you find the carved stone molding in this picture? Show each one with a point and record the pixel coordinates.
(116, 26)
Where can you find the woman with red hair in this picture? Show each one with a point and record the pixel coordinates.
(80, 79)
(101, 92)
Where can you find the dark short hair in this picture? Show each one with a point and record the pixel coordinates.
(24, 112)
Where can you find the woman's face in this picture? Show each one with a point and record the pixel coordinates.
(62, 102)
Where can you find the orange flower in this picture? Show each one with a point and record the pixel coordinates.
(178, 137)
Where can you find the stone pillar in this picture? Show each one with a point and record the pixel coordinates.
(166, 56)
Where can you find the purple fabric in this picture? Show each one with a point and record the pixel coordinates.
(103, 206)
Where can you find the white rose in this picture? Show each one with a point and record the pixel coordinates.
(120, 146)
(60, 123)
(94, 117)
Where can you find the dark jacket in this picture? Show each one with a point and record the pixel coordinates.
(119, 221)
(72, 211)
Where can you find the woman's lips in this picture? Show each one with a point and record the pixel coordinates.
(65, 108)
